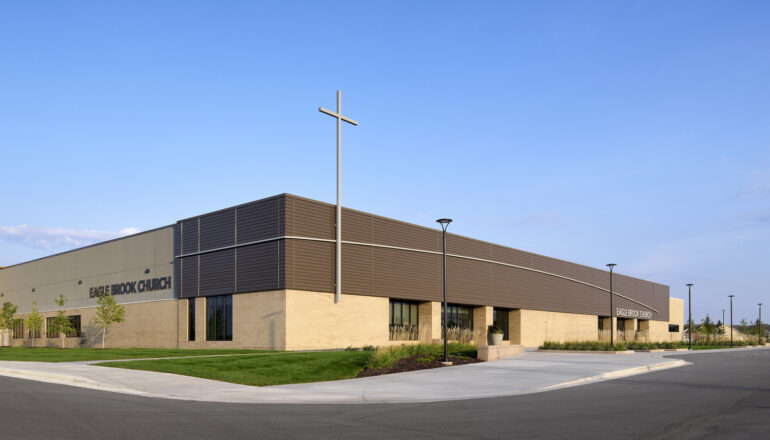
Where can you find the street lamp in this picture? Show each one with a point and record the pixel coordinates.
(444, 222)
(761, 329)
(689, 322)
(731, 319)
(612, 308)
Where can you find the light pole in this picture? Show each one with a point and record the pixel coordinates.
(444, 222)
(731, 319)
(689, 322)
(760, 324)
(723, 321)
(612, 308)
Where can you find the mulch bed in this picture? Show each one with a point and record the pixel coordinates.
(416, 362)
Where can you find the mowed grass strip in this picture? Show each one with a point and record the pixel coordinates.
(261, 369)
(48, 354)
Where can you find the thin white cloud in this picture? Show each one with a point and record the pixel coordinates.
(57, 238)
(758, 186)
(701, 251)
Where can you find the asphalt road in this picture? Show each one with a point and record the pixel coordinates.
(723, 395)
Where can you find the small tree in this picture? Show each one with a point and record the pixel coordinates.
(708, 326)
(61, 323)
(7, 320)
(108, 313)
(34, 321)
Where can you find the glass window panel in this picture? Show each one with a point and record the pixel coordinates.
(211, 328)
(413, 314)
(229, 318)
(191, 319)
(220, 318)
(397, 314)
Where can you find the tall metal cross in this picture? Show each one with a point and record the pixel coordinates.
(338, 226)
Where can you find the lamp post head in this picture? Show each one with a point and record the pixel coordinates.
(611, 265)
(731, 296)
(690, 284)
(444, 222)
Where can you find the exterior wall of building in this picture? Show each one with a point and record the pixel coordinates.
(287, 242)
(386, 257)
(146, 325)
(677, 312)
(531, 328)
(314, 321)
(259, 322)
(134, 259)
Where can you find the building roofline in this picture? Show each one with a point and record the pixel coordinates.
(89, 246)
(475, 239)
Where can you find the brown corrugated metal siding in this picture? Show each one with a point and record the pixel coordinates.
(302, 264)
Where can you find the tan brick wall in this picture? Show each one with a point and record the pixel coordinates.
(482, 319)
(430, 321)
(146, 325)
(536, 326)
(259, 322)
(676, 312)
(313, 321)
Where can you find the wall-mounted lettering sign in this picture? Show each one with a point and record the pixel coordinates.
(148, 285)
(631, 313)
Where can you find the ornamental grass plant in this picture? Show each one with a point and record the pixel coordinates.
(387, 356)
(583, 346)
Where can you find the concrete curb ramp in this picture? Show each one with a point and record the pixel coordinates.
(617, 374)
(64, 379)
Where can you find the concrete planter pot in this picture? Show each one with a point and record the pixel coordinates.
(5, 338)
(494, 339)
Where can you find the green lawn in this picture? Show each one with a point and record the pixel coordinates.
(92, 354)
(262, 369)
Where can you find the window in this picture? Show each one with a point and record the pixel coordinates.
(458, 316)
(190, 319)
(74, 326)
(49, 331)
(500, 321)
(404, 320)
(673, 328)
(74, 332)
(34, 333)
(219, 318)
(18, 330)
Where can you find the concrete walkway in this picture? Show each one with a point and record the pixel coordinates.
(530, 372)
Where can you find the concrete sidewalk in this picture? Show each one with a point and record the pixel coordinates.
(530, 372)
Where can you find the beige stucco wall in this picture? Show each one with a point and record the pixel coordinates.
(314, 321)
(259, 322)
(147, 325)
(74, 273)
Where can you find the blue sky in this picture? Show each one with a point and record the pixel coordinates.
(628, 132)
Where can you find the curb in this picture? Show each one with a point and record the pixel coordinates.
(586, 351)
(62, 379)
(617, 374)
